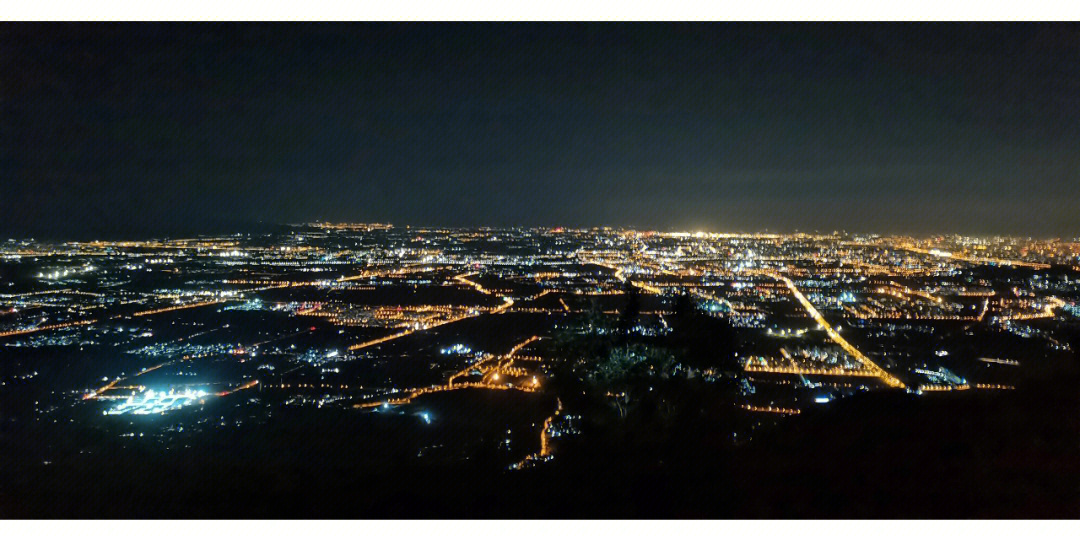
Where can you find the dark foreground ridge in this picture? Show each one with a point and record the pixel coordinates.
(970, 456)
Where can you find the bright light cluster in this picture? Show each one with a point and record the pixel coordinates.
(153, 402)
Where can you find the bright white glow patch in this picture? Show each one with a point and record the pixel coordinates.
(152, 402)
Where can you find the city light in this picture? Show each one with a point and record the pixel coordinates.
(157, 402)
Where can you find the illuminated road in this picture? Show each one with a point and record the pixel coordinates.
(620, 275)
(795, 370)
(545, 439)
(450, 385)
(463, 278)
(976, 260)
(1047, 312)
(522, 345)
(773, 410)
(358, 346)
(414, 393)
(245, 386)
(922, 294)
(835, 336)
(480, 363)
(176, 308)
(100, 391)
(23, 331)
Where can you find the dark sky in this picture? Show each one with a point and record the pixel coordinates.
(144, 129)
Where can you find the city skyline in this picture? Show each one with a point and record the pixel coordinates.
(262, 229)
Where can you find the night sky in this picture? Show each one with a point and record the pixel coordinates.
(146, 129)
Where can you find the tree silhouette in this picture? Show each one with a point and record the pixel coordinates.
(629, 315)
(701, 340)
